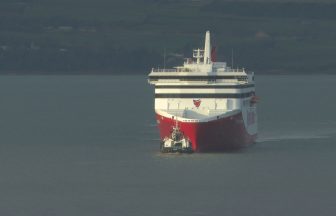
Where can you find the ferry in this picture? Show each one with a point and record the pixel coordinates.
(213, 105)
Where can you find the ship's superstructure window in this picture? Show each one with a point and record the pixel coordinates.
(198, 78)
(206, 95)
(204, 86)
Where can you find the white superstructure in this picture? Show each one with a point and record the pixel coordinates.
(213, 104)
(220, 90)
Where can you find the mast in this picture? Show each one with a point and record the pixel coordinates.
(164, 58)
(207, 47)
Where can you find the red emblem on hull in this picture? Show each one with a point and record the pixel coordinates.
(197, 103)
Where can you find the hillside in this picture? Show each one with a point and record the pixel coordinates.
(129, 36)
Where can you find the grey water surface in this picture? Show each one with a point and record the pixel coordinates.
(88, 145)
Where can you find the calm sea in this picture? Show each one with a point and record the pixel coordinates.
(88, 145)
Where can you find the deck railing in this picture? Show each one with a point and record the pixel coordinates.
(236, 70)
(163, 70)
(188, 70)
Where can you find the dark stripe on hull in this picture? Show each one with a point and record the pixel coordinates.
(242, 95)
(203, 86)
(197, 78)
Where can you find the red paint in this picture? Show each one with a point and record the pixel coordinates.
(254, 99)
(217, 135)
(213, 54)
(197, 103)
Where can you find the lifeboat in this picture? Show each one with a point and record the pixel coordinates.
(254, 99)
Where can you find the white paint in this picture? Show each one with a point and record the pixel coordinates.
(207, 47)
(210, 108)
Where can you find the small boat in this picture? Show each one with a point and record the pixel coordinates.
(176, 142)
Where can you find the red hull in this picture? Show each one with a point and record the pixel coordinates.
(217, 135)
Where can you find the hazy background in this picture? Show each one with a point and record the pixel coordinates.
(129, 36)
(86, 145)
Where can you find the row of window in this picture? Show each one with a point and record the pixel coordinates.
(212, 95)
(197, 78)
(204, 86)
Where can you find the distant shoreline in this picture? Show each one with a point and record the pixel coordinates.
(109, 73)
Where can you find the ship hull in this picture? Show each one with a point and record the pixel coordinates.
(224, 134)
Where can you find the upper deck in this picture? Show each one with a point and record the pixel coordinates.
(182, 76)
(201, 69)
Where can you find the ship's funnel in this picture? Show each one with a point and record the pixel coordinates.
(207, 47)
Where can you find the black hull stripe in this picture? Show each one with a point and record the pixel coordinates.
(242, 95)
(197, 77)
(203, 87)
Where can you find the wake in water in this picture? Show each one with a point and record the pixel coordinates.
(298, 131)
(151, 135)
(302, 135)
(278, 138)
